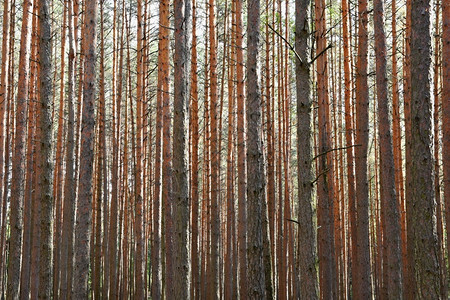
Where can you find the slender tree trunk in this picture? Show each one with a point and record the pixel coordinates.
(409, 281)
(30, 184)
(194, 122)
(69, 184)
(44, 165)
(84, 213)
(307, 251)
(3, 99)
(139, 222)
(182, 10)
(157, 216)
(255, 179)
(389, 202)
(241, 148)
(18, 167)
(325, 217)
(229, 279)
(422, 232)
(446, 109)
(363, 284)
(436, 140)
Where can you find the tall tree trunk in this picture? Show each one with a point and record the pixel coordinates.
(362, 281)
(325, 218)
(229, 279)
(3, 98)
(436, 140)
(139, 222)
(58, 173)
(215, 162)
(18, 161)
(307, 251)
(255, 188)
(409, 281)
(422, 232)
(83, 227)
(157, 216)
(389, 202)
(194, 123)
(446, 109)
(44, 165)
(69, 184)
(241, 148)
(182, 12)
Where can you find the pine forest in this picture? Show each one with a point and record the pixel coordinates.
(225, 149)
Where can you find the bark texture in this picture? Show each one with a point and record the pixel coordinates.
(422, 236)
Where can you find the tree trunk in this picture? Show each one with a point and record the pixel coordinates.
(241, 148)
(389, 202)
(182, 11)
(422, 232)
(325, 218)
(307, 251)
(18, 161)
(446, 109)
(255, 188)
(362, 281)
(83, 227)
(44, 165)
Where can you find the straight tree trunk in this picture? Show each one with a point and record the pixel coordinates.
(182, 13)
(307, 249)
(69, 184)
(18, 161)
(139, 222)
(349, 129)
(409, 281)
(325, 217)
(44, 165)
(363, 288)
(255, 163)
(437, 150)
(4, 97)
(446, 108)
(241, 149)
(215, 162)
(389, 200)
(194, 122)
(162, 61)
(422, 236)
(80, 289)
(229, 279)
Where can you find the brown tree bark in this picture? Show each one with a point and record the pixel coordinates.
(362, 281)
(139, 222)
(29, 217)
(84, 213)
(325, 218)
(389, 202)
(307, 249)
(241, 149)
(422, 239)
(255, 164)
(229, 278)
(18, 160)
(215, 162)
(69, 183)
(182, 12)
(58, 172)
(43, 163)
(446, 108)
(194, 123)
